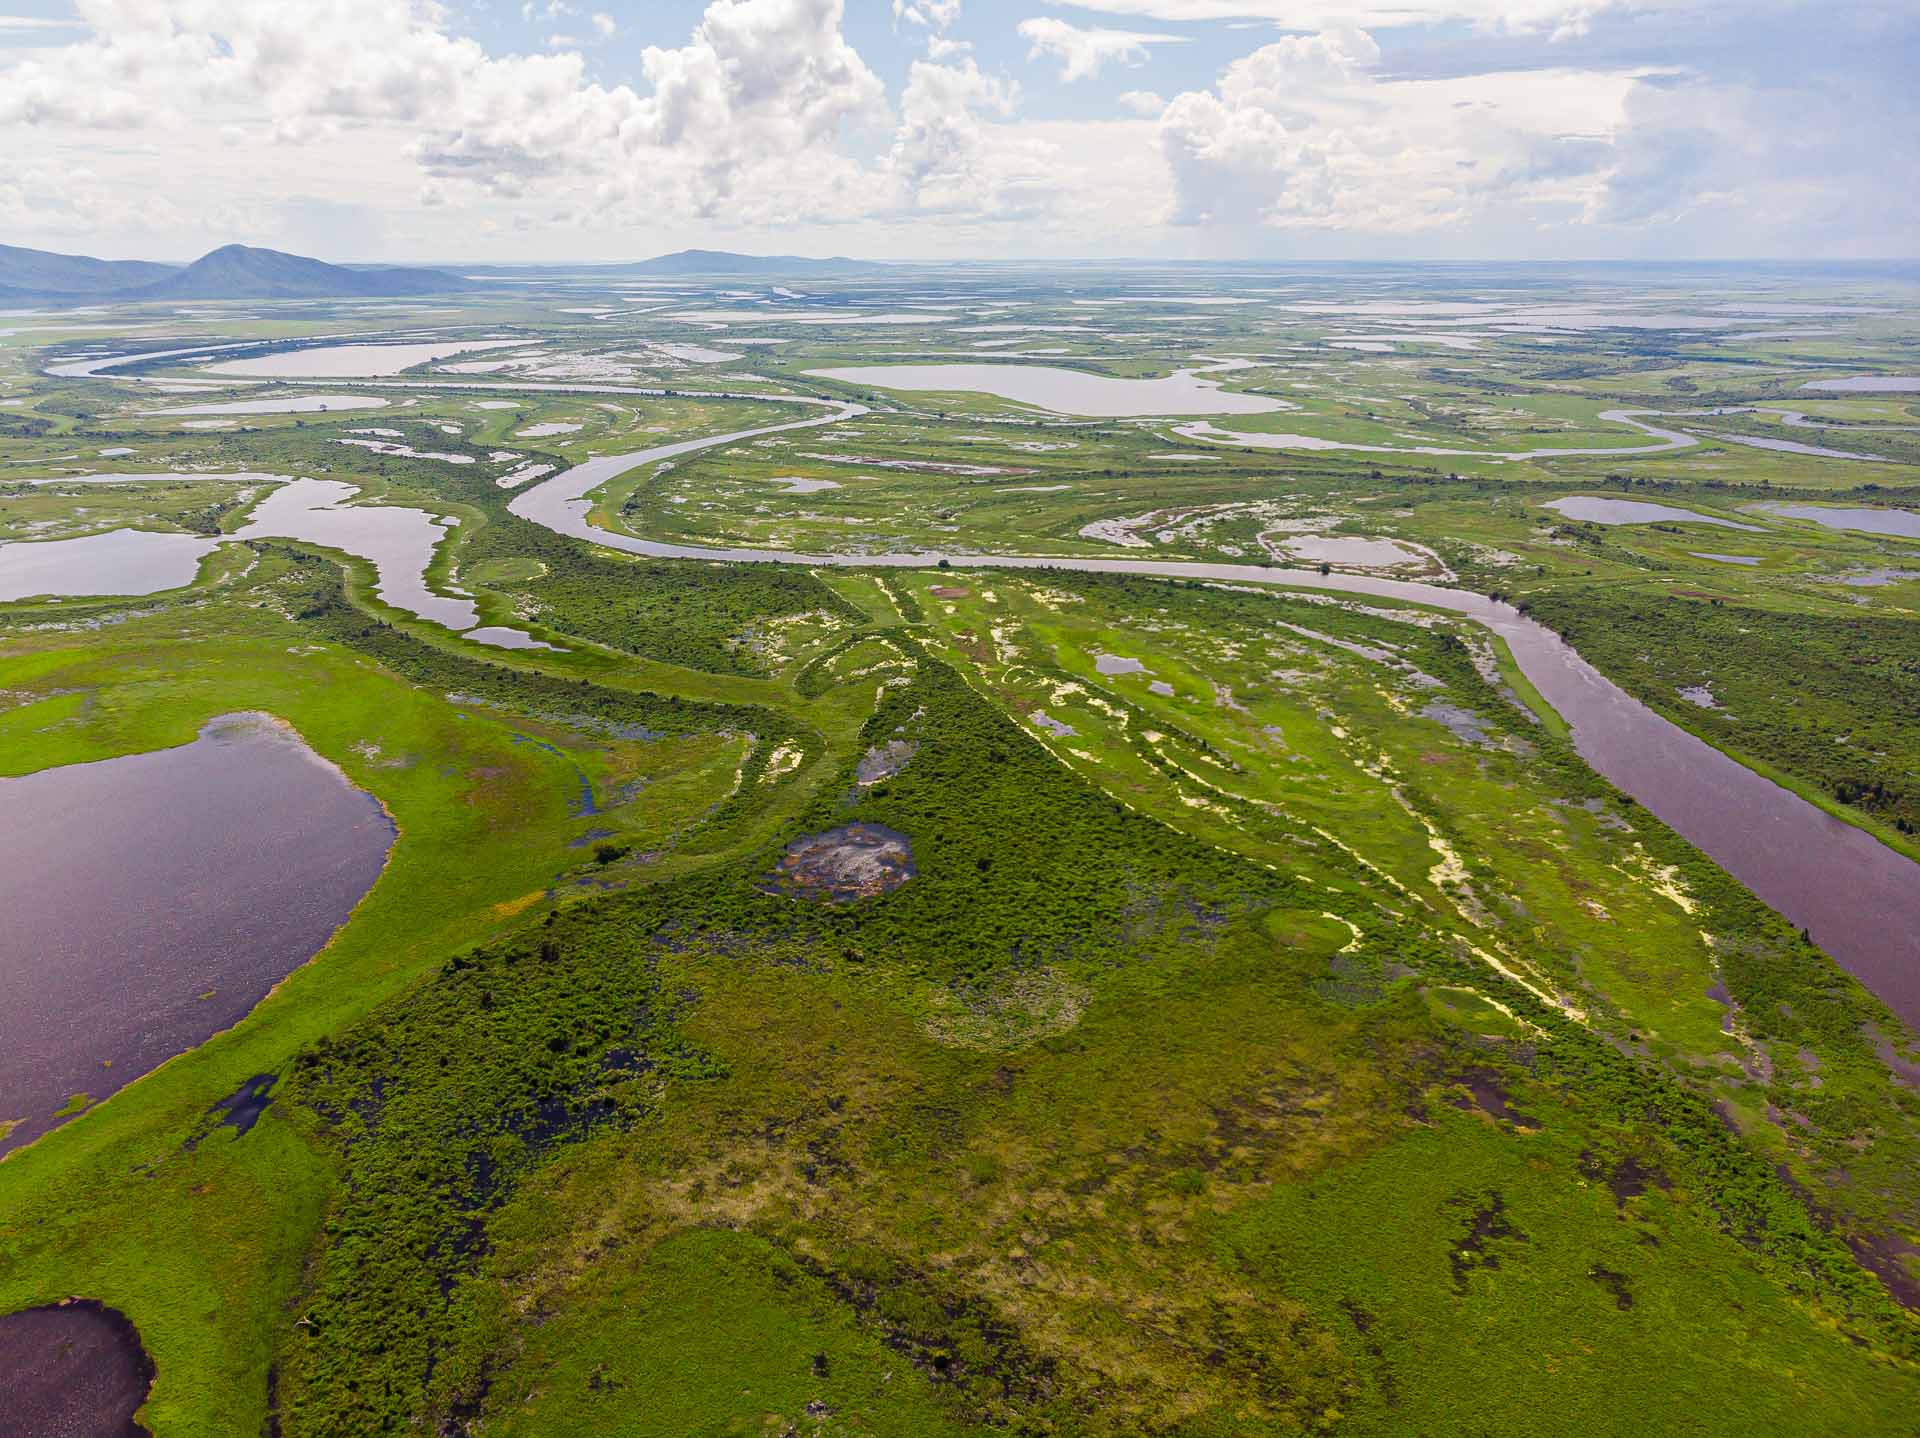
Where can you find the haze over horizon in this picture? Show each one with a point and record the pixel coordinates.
(362, 130)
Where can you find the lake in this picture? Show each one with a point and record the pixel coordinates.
(1592, 509)
(1869, 384)
(152, 900)
(121, 561)
(1899, 523)
(398, 541)
(1064, 391)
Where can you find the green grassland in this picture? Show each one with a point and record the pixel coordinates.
(1282, 1030)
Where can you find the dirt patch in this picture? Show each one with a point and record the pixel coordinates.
(883, 761)
(72, 1367)
(1490, 1096)
(1614, 1283)
(1628, 1178)
(843, 865)
(1487, 1225)
(950, 591)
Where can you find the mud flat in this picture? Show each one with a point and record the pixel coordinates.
(844, 865)
(152, 900)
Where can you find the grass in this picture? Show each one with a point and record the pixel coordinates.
(1273, 1053)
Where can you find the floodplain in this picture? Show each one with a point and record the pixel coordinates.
(864, 985)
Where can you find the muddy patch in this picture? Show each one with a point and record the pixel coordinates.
(1487, 1233)
(1614, 1283)
(883, 761)
(75, 1367)
(1625, 1179)
(949, 591)
(1486, 1093)
(841, 866)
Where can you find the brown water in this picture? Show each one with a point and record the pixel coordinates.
(152, 900)
(71, 1370)
(1860, 899)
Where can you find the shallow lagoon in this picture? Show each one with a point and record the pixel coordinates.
(122, 561)
(1900, 523)
(228, 863)
(1592, 509)
(398, 541)
(1064, 391)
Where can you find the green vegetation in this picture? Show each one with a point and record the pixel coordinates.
(1279, 1029)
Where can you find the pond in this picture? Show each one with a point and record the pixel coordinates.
(398, 541)
(1869, 384)
(72, 1368)
(1590, 509)
(153, 899)
(1899, 523)
(121, 561)
(1064, 391)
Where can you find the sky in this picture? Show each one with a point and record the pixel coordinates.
(596, 130)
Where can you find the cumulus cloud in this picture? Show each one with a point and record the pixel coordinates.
(1565, 17)
(1084, 53)
(1303, 133)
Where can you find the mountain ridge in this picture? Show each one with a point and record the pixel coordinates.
(231, 272)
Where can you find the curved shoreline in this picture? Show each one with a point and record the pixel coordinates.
(1858, 898)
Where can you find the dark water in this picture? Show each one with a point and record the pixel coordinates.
(152, 900)
(1860, 899)
(71, 1370)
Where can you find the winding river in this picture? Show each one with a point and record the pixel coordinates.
(1858, 898)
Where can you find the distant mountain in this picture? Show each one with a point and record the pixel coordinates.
(238, 272)
(27, 273)
(232, 272)
(725, 262)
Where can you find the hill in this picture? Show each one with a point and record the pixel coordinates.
(240, 272)
(25, 273)
(232, 272)
(726, 262)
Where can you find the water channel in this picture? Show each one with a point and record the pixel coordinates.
(1858, 898)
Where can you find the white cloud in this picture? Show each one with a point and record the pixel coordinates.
(605, 24)
(1144, 103)
(1303, 134)
(34, 22)
(935, 15)
(1084, 53)
(1564, 17)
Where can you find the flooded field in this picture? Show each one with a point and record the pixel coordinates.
(154, 899)
(1064, 391)
(123, 561)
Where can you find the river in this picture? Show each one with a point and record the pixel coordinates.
(1858, 898)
